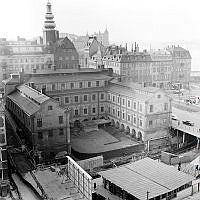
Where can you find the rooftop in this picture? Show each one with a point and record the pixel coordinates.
(62, 78)
(128, 92)
(32, 94)
(147, 175)
(24, 103)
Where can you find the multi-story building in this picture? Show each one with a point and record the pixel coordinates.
(90, 94)
(83, 91)
(162, 68)
(45, 124)
(28, 56)
(143, 112)
(181, 68)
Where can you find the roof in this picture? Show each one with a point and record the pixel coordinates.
(24, 103)
(128, 92)
(137, 86)
(32, 94)
(177, 51)
(64, 43)
(147, 175)
(68, 77)
(68, 71)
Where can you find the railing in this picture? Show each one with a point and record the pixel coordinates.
(188, 129)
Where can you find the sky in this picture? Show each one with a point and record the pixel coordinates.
(148, 22)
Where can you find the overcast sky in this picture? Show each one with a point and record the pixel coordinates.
(145, 21)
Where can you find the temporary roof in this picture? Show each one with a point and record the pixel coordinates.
(147, 175)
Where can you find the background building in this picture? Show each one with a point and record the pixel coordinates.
(37, 54)
(166, 68)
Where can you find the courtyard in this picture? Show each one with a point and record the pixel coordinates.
(105, 139)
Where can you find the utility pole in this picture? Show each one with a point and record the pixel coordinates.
(148, 195)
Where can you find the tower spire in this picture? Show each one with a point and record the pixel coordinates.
(50, 34)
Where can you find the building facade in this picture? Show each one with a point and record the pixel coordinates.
(45, 124)
(83, 91)
(163, 68)
(143, 112)
(181, 67)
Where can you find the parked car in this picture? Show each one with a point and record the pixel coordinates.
(187, 122)
(174, 117)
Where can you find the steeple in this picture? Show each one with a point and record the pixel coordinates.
(49, 23)
(50, 35)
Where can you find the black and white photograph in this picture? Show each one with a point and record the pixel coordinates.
(99, 100)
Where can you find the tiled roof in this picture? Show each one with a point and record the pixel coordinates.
(64, 43)
(68, 77)
(147, 175)
(24, 103)
(32, 94)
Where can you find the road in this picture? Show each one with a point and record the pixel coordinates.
(183, 115)
(26, 192)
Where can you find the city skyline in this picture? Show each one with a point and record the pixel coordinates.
(150, 23)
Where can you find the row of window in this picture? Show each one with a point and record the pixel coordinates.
(50, 133)
(27, 60)
(124, 102)
(85, 98)
(86, 110)
(115, 112)
(73, 85)
(40, 122)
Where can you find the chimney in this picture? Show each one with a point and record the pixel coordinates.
(32, 85)
(43, 90)
(137, 48)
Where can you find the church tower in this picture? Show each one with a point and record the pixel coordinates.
(50, 35)
(106, 38)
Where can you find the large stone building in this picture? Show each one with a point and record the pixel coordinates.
(165, 68)
(31, 55)
(143, 112)
(181, 67)
(45, 124)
